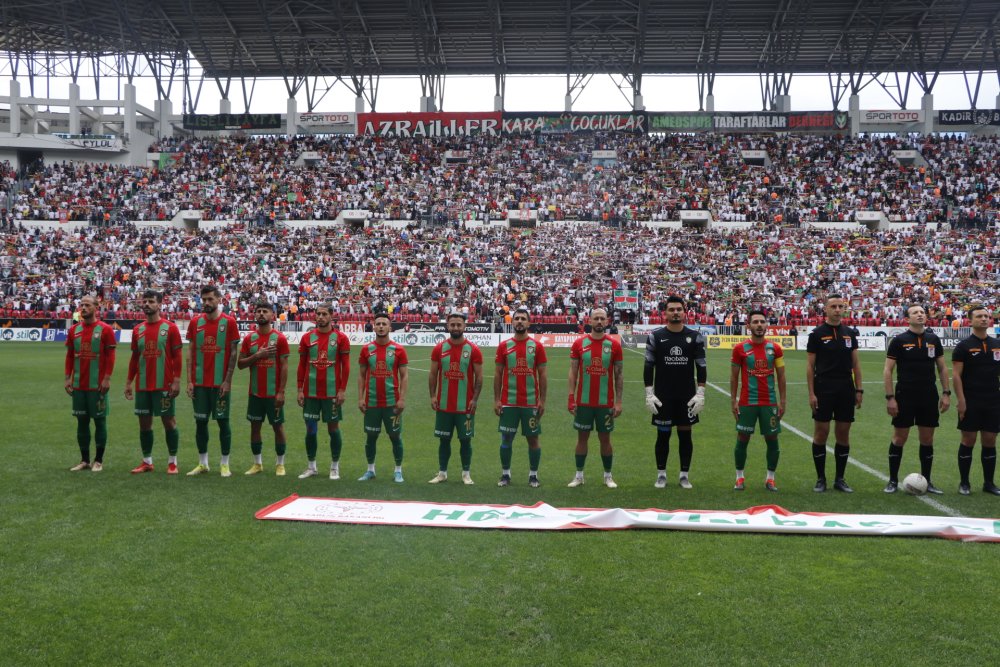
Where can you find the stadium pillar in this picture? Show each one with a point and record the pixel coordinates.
(927, 104)
(854, 113)
(427, 103)
(225, 106)
(15, 107)
(291, 113)
(163, 110)
(128, 91)
(569, 102)
(637, 103)
(783, 103)
(74, 108)
(498, 102)
(359, 104)
(710, 103)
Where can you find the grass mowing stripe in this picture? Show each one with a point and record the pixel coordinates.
(940, 507)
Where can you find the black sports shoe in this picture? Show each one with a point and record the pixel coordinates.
(933, 489)
(504, 480)
(533, 481)
(891, 487)
(964, 489)
(820, 485)
(991, 488)
(841, 485)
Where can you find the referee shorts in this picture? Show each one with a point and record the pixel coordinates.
(981, 415)
(917, 407)
(835, 405)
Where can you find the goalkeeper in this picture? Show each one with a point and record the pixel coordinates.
(674, 375)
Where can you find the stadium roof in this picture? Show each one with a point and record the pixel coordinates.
(283, 38)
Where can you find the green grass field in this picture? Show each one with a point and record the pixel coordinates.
(112, 568)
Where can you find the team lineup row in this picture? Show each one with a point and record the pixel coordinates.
(674, 376)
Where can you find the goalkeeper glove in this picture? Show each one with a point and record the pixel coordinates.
(652, 402)
(697, 402)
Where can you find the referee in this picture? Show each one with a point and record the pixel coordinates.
(976, 373)
(914, 355)
(833, 375)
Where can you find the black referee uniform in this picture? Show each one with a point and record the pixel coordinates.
(979, 385)
(833, 382)
(916, 356)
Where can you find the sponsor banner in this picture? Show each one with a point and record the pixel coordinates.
(32, 335)
(422, 338)
(96, 144)
(729, 342)
(865, 343)
(436, 124)
(969, 117)
(891, 116)
(554, 340)
(470, 327)
(341, 120)
(561, 123)
(232, 121)
(604, 155)
(818, 120)
(541, 516)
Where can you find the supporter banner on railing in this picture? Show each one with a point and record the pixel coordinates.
(969, 117)
(760, 121)
(891, 116)
(562, 123)
(95, 144)
(232, 121)
(436, 124)
(626, 299)
(542, 516)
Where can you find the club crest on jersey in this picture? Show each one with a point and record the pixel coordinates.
(687, 339)
(390, 352)
(466, 354)
(163, 333)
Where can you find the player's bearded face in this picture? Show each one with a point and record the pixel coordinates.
(323, 318)
(758, 328)
(263, 317)
(87, 309)
(520, 325)
(150, 306)
(456, 328)
(675, 313)
(209, 302)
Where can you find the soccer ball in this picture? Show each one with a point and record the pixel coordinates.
(915, 484)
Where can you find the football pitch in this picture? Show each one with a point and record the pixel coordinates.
(111, 568)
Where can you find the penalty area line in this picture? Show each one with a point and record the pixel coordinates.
(940, 507)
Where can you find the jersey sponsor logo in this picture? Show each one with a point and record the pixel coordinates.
(521, 367)
(454, 371)
(321, 360)
(381, 370)
(676, 351)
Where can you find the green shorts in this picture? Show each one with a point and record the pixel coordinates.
(91, 404)
(154, 403)
(527, 418)
(325, 410)
(463, 424)
(587, 417)
(767, 415)
(376, 417)
(259, 408)
(208, 404)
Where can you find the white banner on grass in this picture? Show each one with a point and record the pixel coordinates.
(763, 519)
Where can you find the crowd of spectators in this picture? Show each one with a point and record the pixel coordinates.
(556, 270)
(264, 180)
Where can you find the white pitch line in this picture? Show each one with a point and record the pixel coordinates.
(940, 507)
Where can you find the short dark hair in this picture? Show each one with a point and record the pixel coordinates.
(756, 311)
(263, 303)
(833, 296)
(211, 289)
(673, 298)
(526, 312)
(459, 314)
(974, 307)
(153, 294)
(380, 315)
(325, 306)
(914, 305)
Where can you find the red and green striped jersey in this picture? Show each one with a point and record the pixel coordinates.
(323, 363)
(520, 361)
(156, 355)
(90, 354)
(382, 363)
(757, 364)
(455, 375)
(211, 348)
(595, 384)
(264, 372)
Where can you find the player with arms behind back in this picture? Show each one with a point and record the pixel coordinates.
(976, 375)
(382, 385)
(90, 361)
